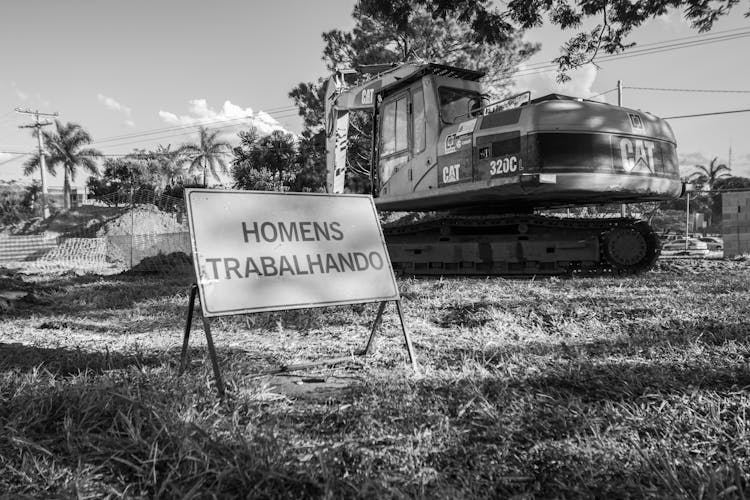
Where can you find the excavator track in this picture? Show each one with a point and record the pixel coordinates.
(521, 245)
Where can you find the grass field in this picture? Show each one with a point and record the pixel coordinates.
(582, 387)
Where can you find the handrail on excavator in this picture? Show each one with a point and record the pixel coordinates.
(488, 108)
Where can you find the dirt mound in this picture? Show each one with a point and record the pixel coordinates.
(173, 263)
(143, 219)
(74, 222)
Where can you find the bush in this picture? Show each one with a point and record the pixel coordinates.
(16, 202)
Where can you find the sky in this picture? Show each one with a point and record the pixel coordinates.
(141, 73)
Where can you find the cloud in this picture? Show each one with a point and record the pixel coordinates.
(200, 113)
(115, 105)
(24, 96)
(580, 84)
(112, 104)
(673, 20)
(692, 159)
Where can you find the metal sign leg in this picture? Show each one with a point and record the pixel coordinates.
(212, 354)
(371, 342)
(407, 338)
(188, 325)
(209, 341)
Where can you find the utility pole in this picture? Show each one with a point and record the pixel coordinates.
(730, 154)
(42, 167)
(687, 222)
(623, 206)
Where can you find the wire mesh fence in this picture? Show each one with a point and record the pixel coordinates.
(139, 231)
(147, 232)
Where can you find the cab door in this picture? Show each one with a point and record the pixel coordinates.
(402, 139)
(418, 162)
(393, 150)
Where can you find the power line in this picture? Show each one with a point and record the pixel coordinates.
(662, 44)
(642, 51)
(198, 123)
(290, 111)
(708, 114)
(718, 91)
(699, 37)
(18, 155)
(602, 93)
(167, 135)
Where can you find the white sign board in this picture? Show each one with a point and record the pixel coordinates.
(262, 251)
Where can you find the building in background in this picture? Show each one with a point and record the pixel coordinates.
(735, 222)
(77, 196)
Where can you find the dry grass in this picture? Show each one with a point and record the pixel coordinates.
(594, 387)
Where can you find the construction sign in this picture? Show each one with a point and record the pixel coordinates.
(259, 251)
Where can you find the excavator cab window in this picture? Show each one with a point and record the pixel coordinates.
(418, 120)
(457, 103)
(394, 135)
(394, 132)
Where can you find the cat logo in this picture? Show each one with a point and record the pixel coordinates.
(637, 154)
(452, 143)
(451, 173)
(635, 121)
(367, 96)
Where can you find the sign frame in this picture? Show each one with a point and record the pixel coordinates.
(197, 291)
(300, 305)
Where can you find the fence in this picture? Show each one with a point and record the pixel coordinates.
(25, 247)
(144, 232)
(139, 232)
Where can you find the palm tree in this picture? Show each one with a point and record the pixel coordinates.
(707, 176)
(207, 155)
(66, 146)
(169, 168)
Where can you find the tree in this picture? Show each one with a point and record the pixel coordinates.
(490, 24)
(706, 176)
(121, 177)
(66, 146)
(311, 175)
(311, 155)
(168, 166)
(207, 155)
(16, 201)
(380, 38)
(265, 163)
(705, 180)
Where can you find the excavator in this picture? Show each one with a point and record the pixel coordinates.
(479, 173)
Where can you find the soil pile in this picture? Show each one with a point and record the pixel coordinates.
(172, 264)
(76, 222)
(109, 239)
(144, 219)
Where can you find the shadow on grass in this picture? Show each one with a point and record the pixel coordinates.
(673, 335)
(65, 361)
(672, 361)
(81, 295)
(132, 304)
